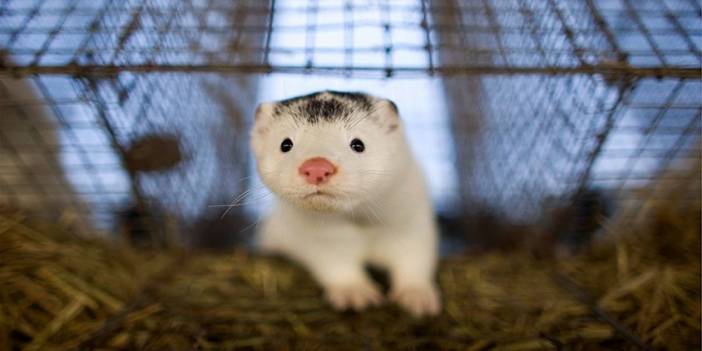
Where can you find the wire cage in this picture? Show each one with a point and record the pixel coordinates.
(548, 100)
(132, 117)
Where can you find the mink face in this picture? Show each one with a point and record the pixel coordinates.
(329, 150)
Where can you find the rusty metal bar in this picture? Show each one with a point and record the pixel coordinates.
(109, 70)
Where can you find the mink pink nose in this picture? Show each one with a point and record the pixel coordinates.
(317, 170)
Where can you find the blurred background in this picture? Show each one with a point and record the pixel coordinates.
(539, 124)
(513, 107)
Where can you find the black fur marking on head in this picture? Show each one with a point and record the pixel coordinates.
(328, 110)
(360, 99)
(289, 102)
(324, 106)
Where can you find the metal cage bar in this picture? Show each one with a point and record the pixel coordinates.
(38, 48)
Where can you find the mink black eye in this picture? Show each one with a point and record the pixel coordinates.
(286, 145)
(357, 145)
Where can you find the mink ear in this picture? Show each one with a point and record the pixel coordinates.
(264, 111)
(389, 110)
(387, 107)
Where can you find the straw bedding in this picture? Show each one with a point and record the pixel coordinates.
(62, 292)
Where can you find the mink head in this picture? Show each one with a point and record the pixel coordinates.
(329, 151)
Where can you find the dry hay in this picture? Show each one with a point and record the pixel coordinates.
(60, 292)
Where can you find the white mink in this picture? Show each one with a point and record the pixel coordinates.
(349, 192)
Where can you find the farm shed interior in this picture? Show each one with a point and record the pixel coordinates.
(530, 117)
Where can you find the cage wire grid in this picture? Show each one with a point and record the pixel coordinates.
(547, 98)
(641, 38)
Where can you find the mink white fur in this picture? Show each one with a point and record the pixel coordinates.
(373, 209)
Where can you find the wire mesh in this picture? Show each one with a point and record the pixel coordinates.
(527, 143)
(547, 98)
(52, 147)
(95, 120)
(503, 36)
(534, 138)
